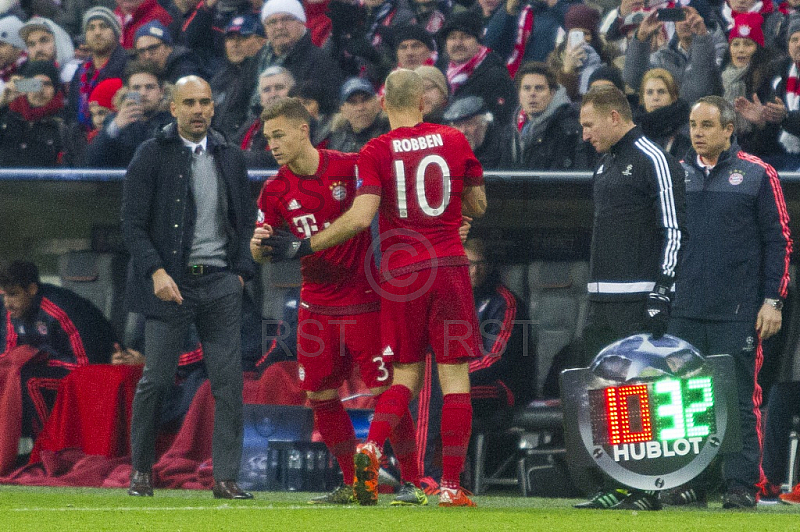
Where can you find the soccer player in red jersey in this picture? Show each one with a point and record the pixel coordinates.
(338, 312)
(421, 178)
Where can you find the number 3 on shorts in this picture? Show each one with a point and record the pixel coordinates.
(383, 372)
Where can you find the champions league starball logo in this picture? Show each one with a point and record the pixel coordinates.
(651, 414)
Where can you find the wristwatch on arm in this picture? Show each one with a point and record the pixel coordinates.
(777, 304)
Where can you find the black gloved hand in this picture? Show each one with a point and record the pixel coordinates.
(657, 310)
(286, 246)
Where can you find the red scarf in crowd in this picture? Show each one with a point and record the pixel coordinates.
(22, 106)
(524, 29)
(522, 119)
(457, 75)
(791, 143)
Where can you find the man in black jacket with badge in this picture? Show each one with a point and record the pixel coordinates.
(187, 219)
(638, 228)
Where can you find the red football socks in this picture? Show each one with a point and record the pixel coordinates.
(404, 444)
(389, 411)
(456, 429)
(337, 432)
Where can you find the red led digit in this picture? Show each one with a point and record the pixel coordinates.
(619, 415)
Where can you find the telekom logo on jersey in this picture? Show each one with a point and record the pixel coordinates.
(307, 223)
(417, 143)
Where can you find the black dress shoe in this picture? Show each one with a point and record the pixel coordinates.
(228, 489)
(141, 484)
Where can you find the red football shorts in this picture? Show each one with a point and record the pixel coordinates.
(433, 308)
(329, 347)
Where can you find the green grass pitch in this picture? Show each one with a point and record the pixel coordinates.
(74, 509)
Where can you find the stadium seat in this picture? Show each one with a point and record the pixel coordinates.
(98, 277)
(558, 305)
(276, 280)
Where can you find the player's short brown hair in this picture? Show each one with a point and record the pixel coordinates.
(404, 89)
(291, 108)
(607, 98)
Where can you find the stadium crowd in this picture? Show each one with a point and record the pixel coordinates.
(84, 83)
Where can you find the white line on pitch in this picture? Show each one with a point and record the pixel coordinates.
(177, 508)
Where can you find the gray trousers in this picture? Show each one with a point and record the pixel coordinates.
(214, 303)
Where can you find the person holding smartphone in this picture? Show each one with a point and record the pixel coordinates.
(691, 56)
(142, 112)
(581, 53)
(32, 128)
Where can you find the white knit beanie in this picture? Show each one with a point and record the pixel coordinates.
(291, 7)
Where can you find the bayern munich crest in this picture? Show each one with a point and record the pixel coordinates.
(735, 178)
(338, 191)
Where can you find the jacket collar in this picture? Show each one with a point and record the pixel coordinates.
(726, 155)
(169, 133)
(627, 140)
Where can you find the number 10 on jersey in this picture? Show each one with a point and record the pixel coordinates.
(419, 192)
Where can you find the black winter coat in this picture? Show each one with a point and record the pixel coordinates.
(158, 214)
(31, 144)
(560, 145)
(491, 82)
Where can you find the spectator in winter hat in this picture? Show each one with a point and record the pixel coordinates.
(778, 120)
(413, 46)
(474, 70)
(153, 43)
(289, 45)
(107, 59)
(136, 13)
(745, 73)
(101, 103)
(47, 41)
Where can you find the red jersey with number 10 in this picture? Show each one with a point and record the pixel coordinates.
(420, 173)
(334, 280)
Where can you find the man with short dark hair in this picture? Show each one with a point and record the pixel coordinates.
(64, 331)
(186, 220)
(638, 195)
(734, 273)
(549, 129)
(152, 42)
(141, 115)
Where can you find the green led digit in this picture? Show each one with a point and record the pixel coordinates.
(704, 385)
(672, 410)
